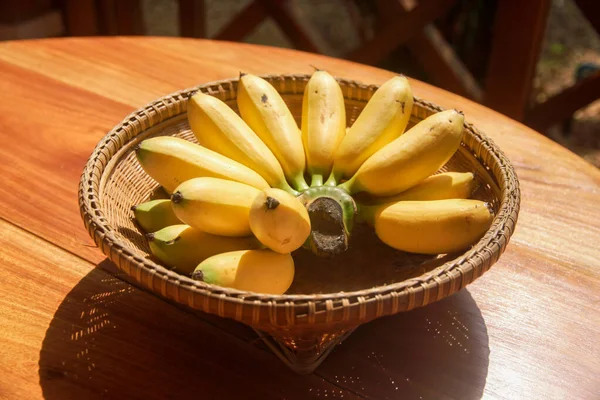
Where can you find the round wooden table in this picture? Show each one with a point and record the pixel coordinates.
(529, 328)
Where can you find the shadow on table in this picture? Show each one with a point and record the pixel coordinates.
(438, 351)
(109, 339)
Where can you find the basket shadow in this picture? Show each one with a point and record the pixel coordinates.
(109, 339)
(437, 351)
(368, 263)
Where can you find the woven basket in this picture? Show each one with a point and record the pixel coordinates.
(329, 297)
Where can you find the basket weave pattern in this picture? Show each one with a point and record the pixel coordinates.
(301, 327)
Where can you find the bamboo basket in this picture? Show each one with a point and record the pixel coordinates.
(329, 297)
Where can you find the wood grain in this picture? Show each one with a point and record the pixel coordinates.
(531, 321)
(72, 331)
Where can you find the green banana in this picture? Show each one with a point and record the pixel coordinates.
(154, 215)
(182, 247)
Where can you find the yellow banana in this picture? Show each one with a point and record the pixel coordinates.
(154, 215)
(260, 271)
(411, 158)
(279, 220)
(182, 247)
(430, 227)
(215, 205)
(171, 161)
(446, 185)
(263, 109)
(323, 124)
(217, 127)
(383, 119)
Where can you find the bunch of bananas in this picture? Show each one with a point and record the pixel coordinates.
(257, 187)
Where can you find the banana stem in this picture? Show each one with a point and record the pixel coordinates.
(348, 186)
(317, 180)
(331, 181)
(332, 214)
(299, 183)
(286, 186)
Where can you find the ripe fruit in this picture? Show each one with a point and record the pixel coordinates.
(279, 220)
(430, 227)
(182, 247)
(263, 109)
(323, 124)
(383, 119)
(171, 161)
(411, 158)
(154, 215)
(217, 127)
(446, 185)
(215, 205)
(239, 205)
(261, 271)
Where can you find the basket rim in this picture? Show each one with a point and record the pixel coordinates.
(499, 233)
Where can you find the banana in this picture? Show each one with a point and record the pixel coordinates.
(446, 185)
(171, 161)
(154, 215)
(430, 227)
(411, 158)
(323, 124)
(383, 119)
(217, 127)
(260, 271)
(279, 220)
(216, 206)
(263, 109)
(182, 247)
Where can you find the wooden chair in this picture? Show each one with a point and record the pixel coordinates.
(518, 33)
(519, 29)
(410, 23)
(405, 22)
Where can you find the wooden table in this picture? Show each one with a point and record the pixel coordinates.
(529, 328)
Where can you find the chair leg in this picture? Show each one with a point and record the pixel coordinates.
(80, 18)
(405, 27)
(242, 24)
(129, 17)
(435, 55)
(591, 10)
(287, 23)
(563, 105)
(192, 18)
(519, 32)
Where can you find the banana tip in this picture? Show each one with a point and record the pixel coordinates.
(198, 275)
(176, 197)
(490, 208)
(133, 208)
(271, 203)
(149, 236)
